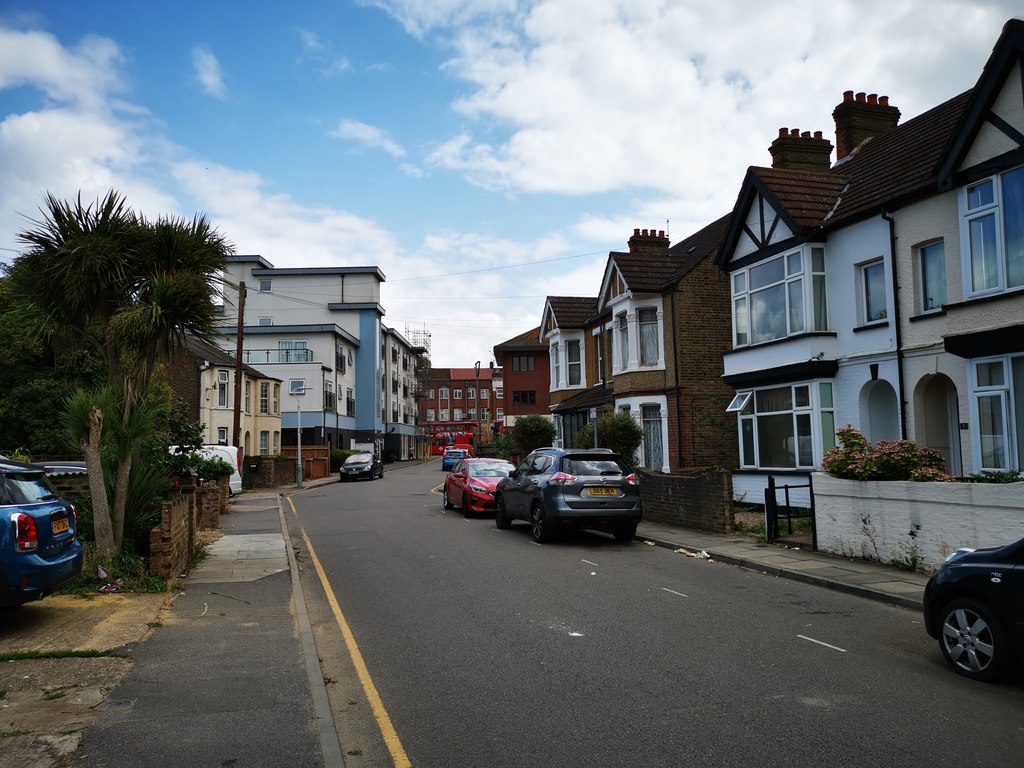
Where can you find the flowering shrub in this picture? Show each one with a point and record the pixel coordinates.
(856, 458)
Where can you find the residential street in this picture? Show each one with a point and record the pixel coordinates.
(487, 649)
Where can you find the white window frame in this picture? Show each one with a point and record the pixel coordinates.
(817, 411)
(658, 357)
(865, 296)
(430, 414)
(574, 367)
(997, 210)
(266, 285)
(556, 365)
(1007, 393)
(925, 302)
(444, 415)
(223, 378)
(264, 442)
(442, 393)
(222, 435)
(264, 321)
(456, 395)
(807, 283)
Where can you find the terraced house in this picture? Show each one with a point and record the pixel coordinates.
(884, 290)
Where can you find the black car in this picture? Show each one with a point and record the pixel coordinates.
(974, 607)
(558, 488)
(358, 465)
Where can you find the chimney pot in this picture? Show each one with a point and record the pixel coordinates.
(636, 233)
(883, 100)
(794, 132)
(661, 233)
(847, 95)
(872, 98)
(861, 96)
(783, 132)
(817, 134)
(805, 135)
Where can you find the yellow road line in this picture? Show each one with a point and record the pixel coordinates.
(387, 730)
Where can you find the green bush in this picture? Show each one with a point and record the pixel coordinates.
(618, 431)
(338, 456)
(855, 458)
(531, 432)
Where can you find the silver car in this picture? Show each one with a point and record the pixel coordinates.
(558, 488)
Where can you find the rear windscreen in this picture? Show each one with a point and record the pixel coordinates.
(579, 465)
(25, 488)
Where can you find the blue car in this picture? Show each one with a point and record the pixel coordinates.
(38, 550)
(451, 457)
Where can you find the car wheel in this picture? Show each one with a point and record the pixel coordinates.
(972, 641)
(445, 500)
(501, 519)
(625, 532)
(538, 524)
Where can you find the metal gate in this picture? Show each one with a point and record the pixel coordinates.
(779, 516)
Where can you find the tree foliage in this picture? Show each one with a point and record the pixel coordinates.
(531, 432)
(101, 277)
(617, 431)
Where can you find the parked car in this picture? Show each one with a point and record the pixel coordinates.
(451, 457)
(974, 607)
(359, 465)
(39, 553)
(470, 485)
(556, 488)
(226, 453)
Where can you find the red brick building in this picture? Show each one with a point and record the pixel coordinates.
(527, 377)
(461, 394)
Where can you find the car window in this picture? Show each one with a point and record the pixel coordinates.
(359, 458)
(580, 465)
(460, 466)
(540, 465)
(495, 469)
(25, 488)
(524, 466)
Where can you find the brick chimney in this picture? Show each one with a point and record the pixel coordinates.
(796, 151)
(862, 117)
(648, 241)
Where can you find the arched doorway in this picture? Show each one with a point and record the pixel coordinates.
(936, 420)
(879, 413)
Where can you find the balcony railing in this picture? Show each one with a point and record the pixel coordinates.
(257, 356)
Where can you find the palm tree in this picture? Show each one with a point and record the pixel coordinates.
(102, 276)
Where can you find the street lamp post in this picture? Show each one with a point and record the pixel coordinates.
(297, 392)
(476, 394)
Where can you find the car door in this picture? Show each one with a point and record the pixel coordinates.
(456, 481)
(512, 488)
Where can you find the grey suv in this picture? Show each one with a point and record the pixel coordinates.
(555, 488)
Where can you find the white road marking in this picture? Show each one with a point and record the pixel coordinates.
(674, 592)
(590, 563)
(812, 640)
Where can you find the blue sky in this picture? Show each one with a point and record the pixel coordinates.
(432, 137)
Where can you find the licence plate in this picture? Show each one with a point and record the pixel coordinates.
(601, 491)
(61, 525)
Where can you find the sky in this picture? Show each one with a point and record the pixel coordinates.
(483, 153)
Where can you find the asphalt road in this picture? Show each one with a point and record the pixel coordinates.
(489, 650)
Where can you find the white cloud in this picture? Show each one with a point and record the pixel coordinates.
(322, 54)
(208, 72)
(367, 135)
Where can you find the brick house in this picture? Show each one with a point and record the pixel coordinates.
(460, 395)
(525, 366)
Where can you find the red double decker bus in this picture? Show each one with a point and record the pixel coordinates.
(445, 434)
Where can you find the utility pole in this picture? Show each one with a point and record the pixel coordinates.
(236, 439)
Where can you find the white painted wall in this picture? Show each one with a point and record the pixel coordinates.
(874, 520)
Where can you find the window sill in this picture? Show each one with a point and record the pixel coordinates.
(871, 326)
(988, 297)
(927, 315)
(784, 340)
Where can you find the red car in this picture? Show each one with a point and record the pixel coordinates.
(470, 485)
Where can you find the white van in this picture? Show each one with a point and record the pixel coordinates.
(228, 453)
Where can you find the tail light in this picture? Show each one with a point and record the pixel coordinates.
(26, 533)
(633, 479)
(74, 516)
(561, 478)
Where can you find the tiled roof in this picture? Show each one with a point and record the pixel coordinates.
(889, 169)
(588, 398)
(528, 340)
(702, 244)
(572, 311)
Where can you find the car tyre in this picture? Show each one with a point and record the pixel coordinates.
(625, 533)
(445, 500)
(501, 518)
(539, 526)
(972, 641)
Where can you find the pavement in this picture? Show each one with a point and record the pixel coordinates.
(224, 670)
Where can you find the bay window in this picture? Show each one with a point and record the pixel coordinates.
(648, 322)
(556, 367)
(993, 233)
(622, 330)
(573, 363)
(777, 425)
(781, 296)
(997, 405)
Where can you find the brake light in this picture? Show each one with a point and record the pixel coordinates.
(74, 515)
(26, 533)
(633, 479)
(561, 478)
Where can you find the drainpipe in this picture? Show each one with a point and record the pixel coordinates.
(898, 324)
(675, 359)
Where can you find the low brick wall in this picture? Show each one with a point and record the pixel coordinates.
(70, 486)
(172, 542)
(209, 504)
(267, 472)
(698, 498)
